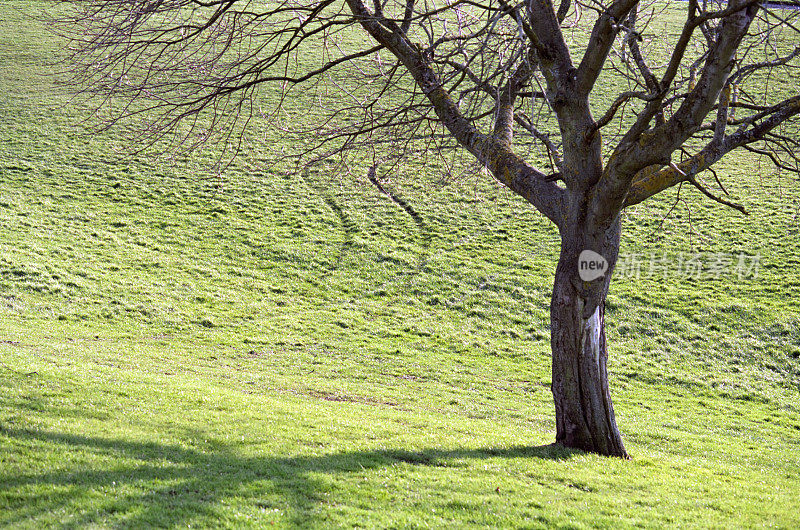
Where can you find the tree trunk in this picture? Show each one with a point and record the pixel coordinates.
(584, 413)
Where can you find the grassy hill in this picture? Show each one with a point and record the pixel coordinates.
(274, 348)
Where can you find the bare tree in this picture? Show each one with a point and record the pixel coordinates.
(578, 107)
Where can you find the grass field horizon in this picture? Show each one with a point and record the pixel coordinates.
(296, 350)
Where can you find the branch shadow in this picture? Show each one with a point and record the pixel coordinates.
(192, 483)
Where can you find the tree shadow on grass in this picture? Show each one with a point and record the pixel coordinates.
(184, 484)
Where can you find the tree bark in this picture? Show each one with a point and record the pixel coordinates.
(584, 412)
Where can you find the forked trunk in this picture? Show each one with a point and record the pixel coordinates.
(584, 413)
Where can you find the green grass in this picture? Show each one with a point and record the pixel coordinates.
(299, 352)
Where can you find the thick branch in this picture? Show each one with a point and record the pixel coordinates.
(638, 151)
(653, 180)
(504, 165)
(551, 48)
(602, 38)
